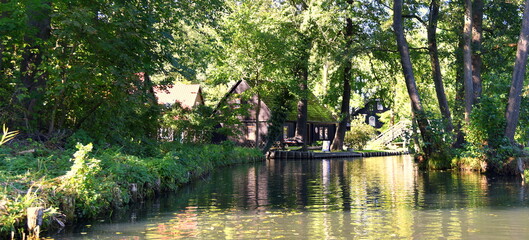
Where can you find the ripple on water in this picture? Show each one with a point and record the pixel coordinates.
(370, 198)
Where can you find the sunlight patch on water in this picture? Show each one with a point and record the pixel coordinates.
(383, 197)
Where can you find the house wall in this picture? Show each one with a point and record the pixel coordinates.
(252, 101)
(370, 111)
(246, 129)
(322, 132)
(246, 135)
(315, 131)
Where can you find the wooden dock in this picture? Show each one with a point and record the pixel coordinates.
(287, 155)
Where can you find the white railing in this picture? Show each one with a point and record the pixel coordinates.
(394, 132)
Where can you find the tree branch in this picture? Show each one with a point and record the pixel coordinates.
(396, 51)
(416, 17)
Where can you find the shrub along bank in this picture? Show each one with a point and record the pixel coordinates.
(94, 181)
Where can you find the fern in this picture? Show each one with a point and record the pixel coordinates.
(7, 135)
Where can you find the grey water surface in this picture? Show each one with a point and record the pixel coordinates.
(363, 198)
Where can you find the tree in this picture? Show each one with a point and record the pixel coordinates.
(33, 77)
(467, 61)
(257, 48)
(436, 68)
(407, 70)
(345, 117)
(513, 106)
(303, 30)
(67, 63)
(477, 30)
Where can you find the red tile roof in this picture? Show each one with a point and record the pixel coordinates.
(188, 95)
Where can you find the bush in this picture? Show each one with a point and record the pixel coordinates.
(485, 136)
(93, 182)
(199, 124)
(93, 190)
(359, 134)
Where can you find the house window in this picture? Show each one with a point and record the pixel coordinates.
(379, 106)
(322, 132)
(237, 103)
(372, 121)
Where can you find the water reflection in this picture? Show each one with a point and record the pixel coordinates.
(385, 197)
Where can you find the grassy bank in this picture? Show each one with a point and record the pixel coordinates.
(86, 182)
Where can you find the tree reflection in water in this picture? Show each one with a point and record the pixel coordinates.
(384, 197)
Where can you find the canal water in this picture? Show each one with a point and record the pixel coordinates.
(369, 198)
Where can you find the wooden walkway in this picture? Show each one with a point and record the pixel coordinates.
(324, 155)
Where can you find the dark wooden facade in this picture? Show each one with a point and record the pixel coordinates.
(370, 111)
(315, 131)
(321, 125)
(236, 98)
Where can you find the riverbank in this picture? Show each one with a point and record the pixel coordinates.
(69, 185)
(291, 155)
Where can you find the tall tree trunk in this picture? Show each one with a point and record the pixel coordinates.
(345, 117)
(302, 73)
(407, 70)
(436, 67)
(459, 96)
(257, 125)
(32, 78)
(467, 61)
(513, 107)
(477, 29)
(301, 124)
(150, 99)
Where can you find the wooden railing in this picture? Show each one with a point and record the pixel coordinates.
(394, 132)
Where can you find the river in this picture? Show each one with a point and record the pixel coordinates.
(363, 198)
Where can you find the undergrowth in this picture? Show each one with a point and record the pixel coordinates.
(92, 181)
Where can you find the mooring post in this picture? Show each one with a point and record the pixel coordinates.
(158, 185)
(35, 215)
(134, 190)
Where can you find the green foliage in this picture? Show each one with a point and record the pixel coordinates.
(280, 108)
(485, 134)
(13, 211)
(93, 191)
(359, 134)
(522, 132)
(99, 180)
(91, 70)
(197, 125)
(80, 136)
(487, 123)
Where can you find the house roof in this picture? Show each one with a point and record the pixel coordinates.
(315, 110)
(188, 95)
(238, 88)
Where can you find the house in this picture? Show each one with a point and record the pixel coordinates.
(188, 96)
(321, 125)
(249, 121)
(371, 111)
